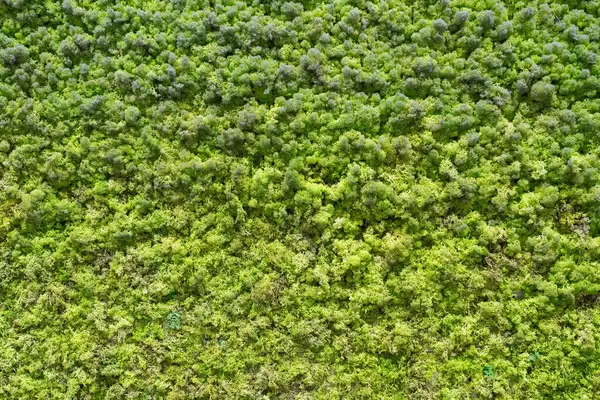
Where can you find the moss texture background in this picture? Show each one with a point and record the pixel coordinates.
(299, 200)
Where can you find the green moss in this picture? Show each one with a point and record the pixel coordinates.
(299, 200)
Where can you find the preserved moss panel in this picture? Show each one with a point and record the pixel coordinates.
(299, 200)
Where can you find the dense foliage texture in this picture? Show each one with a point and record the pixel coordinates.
(299, 200)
